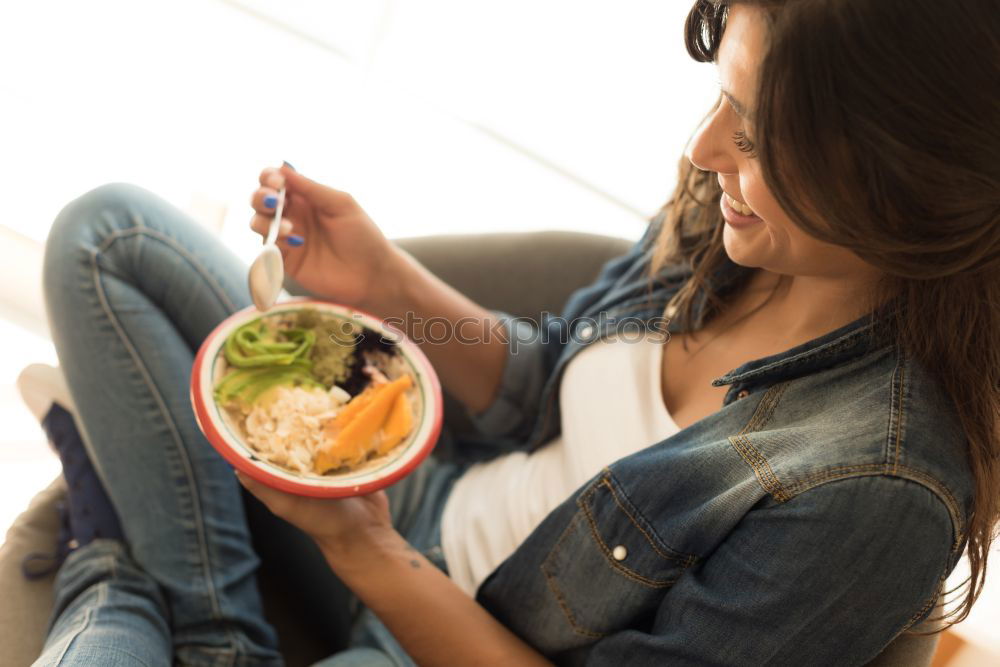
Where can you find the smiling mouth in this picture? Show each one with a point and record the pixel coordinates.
(737, 206)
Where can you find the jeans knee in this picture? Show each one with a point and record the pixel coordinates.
(78, 217)
(81, 227)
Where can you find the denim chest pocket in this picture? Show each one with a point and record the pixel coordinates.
(609, 568)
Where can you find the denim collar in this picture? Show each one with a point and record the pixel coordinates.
(831, 349)
(638, 297)
(850, 341)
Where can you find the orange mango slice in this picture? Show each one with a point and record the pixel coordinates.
(354, 406)
(397, 425)
(358, 434)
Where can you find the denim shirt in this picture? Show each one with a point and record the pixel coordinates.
(808, 521)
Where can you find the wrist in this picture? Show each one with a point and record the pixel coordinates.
(362, 547)
(398, 278)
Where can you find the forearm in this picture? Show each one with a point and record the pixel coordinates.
(458, 336)
(434, 620)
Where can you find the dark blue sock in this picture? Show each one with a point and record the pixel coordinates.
(91, 514)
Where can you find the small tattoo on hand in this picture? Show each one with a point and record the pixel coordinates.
(415, 564)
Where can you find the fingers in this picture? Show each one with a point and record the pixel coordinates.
(261, 223)
(249, 484)
(272, 177)
(296, 182)
(264, 200)
(317, 194)
(272, 499)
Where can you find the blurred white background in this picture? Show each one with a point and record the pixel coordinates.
(439, 116)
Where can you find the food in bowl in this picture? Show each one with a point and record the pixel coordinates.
(315, 393)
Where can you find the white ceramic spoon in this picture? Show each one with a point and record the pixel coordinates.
(267, 273)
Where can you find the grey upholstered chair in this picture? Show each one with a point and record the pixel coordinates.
(522, 274)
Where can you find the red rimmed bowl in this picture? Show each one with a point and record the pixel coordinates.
(215, 422)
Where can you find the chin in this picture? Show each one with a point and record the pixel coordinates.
(744, 253)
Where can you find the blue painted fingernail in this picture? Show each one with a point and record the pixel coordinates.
(294, 239)
(270, 201)
(288, 164)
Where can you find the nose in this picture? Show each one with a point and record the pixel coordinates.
(707, 150)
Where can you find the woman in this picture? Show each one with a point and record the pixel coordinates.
(790, 480)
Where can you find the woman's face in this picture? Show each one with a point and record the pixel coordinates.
(767, 239)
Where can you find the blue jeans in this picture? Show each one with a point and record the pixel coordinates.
(132, 287)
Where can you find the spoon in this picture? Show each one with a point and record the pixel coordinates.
(267, 273)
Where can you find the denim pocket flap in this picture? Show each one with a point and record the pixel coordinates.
(609, 568)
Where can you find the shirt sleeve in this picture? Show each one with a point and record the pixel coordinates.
(829, 577)
(534, 347)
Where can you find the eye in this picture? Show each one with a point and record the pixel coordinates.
(744, 144)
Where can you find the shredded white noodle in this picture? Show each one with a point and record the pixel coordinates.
(285, 425)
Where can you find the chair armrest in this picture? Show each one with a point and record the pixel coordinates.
(25, 605)
(522, 274)
(519, 273)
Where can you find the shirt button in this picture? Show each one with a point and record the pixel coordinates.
(586, 331)
(619, 552)
(743, 393)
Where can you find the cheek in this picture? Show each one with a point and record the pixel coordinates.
(778, 244)
(759, 198)
(790, 250)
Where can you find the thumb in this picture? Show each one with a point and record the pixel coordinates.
(316, 193)
(263, 494)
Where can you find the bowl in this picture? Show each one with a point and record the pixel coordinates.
(216, 423)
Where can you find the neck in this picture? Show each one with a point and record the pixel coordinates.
(797, 309)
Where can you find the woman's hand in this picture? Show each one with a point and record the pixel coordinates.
(343, 255)
(336, 524)
(345, 258)
(434, 621)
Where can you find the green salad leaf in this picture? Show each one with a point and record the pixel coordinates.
(316, 352)
(264, 357)
(247, 384)
(255, 344)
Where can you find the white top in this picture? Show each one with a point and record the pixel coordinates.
(612, 406)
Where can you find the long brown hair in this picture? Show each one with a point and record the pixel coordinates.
(885, 116)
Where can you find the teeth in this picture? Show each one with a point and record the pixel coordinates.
(740, 208)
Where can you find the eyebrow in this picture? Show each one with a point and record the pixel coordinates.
(737, 106)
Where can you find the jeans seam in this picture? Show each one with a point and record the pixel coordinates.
(113, 567)
(880, 469)
(85, 623)
(550, 580)
(765, 409)
(686, 560)
(147, 378)
(897, 412)
(751, 455)
(141, 229)
(616, 566)
(931, 601)
(761, 468)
